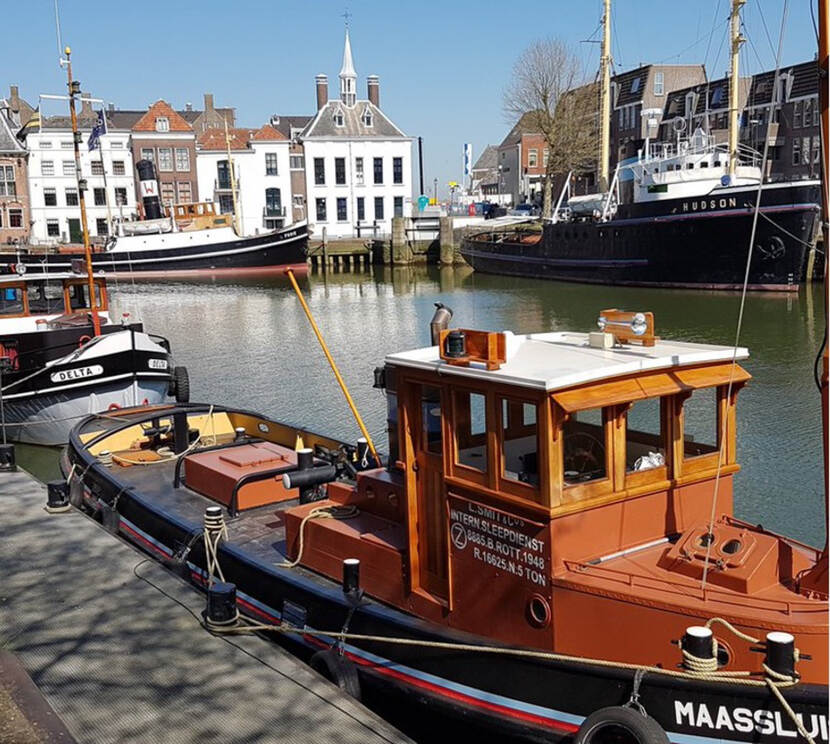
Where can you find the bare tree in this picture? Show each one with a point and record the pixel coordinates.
(548, 95)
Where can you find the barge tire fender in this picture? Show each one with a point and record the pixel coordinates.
(337, 669)
(601, 724)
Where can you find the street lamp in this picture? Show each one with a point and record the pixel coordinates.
(435, 189)
(500, 186)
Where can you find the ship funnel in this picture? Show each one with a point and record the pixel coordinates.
(440, 321)
(149, 188)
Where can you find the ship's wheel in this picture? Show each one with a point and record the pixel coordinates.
(584, 455)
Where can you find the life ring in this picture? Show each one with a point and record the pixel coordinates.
(113, 407)
(622, 725)
(337, 669)
(83, 339)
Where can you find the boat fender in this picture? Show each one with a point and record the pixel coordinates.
(180, 385)
(76, 492)
(110, 518)
(113, 407)
(617, 722)
(337, 669)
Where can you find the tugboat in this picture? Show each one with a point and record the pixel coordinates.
(58, 364)
(185, 240)
(694, 205)
(60, 357)
(553, 519)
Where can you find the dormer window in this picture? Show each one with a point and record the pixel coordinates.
(367, 117)
(162, 124)
(338, 118)
(635, 85)
(717, 96)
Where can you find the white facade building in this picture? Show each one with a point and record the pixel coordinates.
(53, 184)
(358, 164)
(261, 164)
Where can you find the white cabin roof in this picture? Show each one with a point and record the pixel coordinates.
(559, 360)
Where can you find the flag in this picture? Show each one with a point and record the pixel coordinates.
(29, 126)
(468, 159)
(99, 129)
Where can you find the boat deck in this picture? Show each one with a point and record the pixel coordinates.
(114, 641)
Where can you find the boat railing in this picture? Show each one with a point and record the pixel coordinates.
(697, 144)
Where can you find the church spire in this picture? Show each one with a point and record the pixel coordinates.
(348, 76)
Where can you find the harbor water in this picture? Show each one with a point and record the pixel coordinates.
(249, 344)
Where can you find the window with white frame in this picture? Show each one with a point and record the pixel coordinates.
(97, 168)
(118, 168)
(117, 145)
(358, 171)
(69, 167)
(338, 118)
(658, 83)
(532, 158)
(183, 192)
(165, 159)
(162, 124)
(182, 159)
(147, 153)
(46, 145)
(120, 196)
(168, 193)
(71, 197)
(50, 197)
(296, 162)
(53, 228)
(367, 117)
(8, 187)
(67, 144)
(797, 115)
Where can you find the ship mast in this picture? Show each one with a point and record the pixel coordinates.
(605, 97)
(232, 171)
(75, 87)
(734, 85)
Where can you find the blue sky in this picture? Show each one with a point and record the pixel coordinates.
(443, 66)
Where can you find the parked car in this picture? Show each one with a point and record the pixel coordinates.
(525, 210)
(491, 211)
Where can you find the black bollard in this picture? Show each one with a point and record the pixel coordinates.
(239, 434)
(697, 641)
(781, 653)
(57, 496)
(305, 458)
(362, 452)
(181, 432)
(351, 576)
(221, 604)
(7, 459)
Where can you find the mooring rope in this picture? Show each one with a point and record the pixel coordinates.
(320, 512)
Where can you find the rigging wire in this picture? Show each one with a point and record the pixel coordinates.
(722, 443)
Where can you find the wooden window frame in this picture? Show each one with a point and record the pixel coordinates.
(591, 489)
(513, 486)
(723, 439)
(485, 477)
(636, 480)
(24, 302)
(67, 300)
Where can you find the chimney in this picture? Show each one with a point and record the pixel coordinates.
(188, 106)
(373, 89)
(111, 106)
(14, 98)
(322, 90)
(86, 106)
(208, 101)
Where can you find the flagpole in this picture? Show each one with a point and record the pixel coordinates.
(76, 137)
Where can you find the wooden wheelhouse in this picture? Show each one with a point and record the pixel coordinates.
(47, 295)
(555, 490)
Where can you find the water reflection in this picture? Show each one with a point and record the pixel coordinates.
(248, 343)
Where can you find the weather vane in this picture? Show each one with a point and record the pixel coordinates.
(347, 15)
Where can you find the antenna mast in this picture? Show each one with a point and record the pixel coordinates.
(605, 97)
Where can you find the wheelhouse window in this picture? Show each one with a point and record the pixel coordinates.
(700, 424)
(519, 441)
(470, 418)
(45, 297)
(78, 296)
(645, 440)
(11, 301)
(584, 455)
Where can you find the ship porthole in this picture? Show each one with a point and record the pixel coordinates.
(723, 653)
(538, 611)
